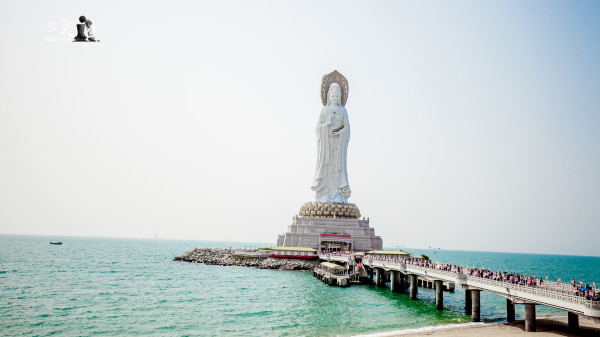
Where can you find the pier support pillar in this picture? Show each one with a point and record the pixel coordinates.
(510, 310)
(476, 311)
(468, 303)
(439, 294)
(413, 287)
(573, 321)
(530, 317)
(393, 280)
(378, 277)
(402, 281)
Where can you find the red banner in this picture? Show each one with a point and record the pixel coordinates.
(302, 257)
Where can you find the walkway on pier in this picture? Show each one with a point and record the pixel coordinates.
(530, 296)
(561, 297)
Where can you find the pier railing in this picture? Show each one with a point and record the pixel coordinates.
(557, 293)
(549, 289)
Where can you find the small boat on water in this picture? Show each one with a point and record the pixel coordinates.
(56, 243)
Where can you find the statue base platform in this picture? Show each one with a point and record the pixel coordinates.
(329, 232)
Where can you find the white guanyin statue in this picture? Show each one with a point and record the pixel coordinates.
(333, 133)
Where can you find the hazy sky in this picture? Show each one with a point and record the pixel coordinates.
(475, 124)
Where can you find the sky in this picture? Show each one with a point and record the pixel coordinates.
(475, 124)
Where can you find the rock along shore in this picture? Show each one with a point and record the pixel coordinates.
(243, 258)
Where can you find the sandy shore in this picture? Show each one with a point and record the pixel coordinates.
(555, 326)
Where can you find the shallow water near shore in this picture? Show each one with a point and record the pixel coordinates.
(97, 286)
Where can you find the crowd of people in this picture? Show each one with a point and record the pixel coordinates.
(587, 291)
(337, 253)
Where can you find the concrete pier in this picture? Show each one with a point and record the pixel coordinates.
(378, 277)
(423, 282)
(393, 280)
(510, 311)
(331, 278)
(476, 312)
(530, 317)
(556, 295)
(402, 279)
(413, 286)
(439, 295)
(573, 321)
(468, 302)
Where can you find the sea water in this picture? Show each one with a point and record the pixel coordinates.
(112, 287)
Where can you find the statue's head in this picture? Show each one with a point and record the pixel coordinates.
(82, 19)
(334, 95)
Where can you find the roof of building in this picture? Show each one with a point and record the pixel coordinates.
(388, 252)
(332, 266)
(296, 249)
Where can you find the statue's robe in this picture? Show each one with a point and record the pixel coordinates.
(326, 165)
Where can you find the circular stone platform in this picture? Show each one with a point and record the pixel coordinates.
(325, 210)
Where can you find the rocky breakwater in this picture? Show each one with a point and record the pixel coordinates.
(244, 258)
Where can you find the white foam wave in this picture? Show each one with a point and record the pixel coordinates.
(423, 329)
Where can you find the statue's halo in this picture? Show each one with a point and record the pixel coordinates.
(334, 77)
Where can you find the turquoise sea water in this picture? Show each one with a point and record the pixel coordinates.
(110, 287)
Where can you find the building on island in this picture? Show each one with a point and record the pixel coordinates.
(294, 251)
(395, 254)
(333, 266)
(330, 234)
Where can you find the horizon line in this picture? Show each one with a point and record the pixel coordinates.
(263, 242)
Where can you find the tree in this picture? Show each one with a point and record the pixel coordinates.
(425, 257)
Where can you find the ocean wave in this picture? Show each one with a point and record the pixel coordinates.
(422, 329)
